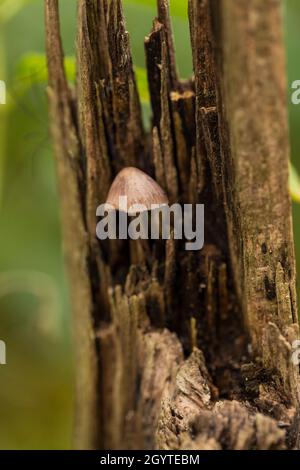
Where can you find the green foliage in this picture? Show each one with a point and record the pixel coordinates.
(32, 69)
(294, 184)
(142, 84)
(178, 7)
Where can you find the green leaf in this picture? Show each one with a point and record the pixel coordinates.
(32, 69)
(294, 184)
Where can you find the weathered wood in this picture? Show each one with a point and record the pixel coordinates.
(181, 350)
(64, 128)
(256, 180)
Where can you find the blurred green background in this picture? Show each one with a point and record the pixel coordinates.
(36, 385)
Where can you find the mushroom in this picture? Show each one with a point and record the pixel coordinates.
(140, 190)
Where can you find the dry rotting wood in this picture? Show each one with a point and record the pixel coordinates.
(176, 349)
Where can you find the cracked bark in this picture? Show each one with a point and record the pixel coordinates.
(180, 350)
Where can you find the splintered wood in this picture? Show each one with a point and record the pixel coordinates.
(177, 349)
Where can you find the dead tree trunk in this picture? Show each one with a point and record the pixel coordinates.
(177, 349)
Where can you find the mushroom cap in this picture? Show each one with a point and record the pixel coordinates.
(138, 187)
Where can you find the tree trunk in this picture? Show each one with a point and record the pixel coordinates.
(179, 349)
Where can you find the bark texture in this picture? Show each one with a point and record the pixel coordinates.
(178, 349)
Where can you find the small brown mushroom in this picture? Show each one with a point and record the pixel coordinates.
(139, 188)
